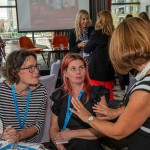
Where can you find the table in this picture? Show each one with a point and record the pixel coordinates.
(30, 146)
(51, 51)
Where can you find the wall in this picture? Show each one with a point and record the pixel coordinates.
(143, 4)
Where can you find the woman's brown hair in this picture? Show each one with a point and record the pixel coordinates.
(105, 22)
(144, 16)
(13, 63)
(130, 44)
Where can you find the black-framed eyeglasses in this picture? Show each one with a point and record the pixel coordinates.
(31, 68)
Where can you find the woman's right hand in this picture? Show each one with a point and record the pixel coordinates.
(60, 147)
(82, 44)
(10, 134)
(104, 113)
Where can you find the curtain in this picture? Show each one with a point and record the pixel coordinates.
(97, 6)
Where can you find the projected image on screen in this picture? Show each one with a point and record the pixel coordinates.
(52, 14)
(59, 4)
(44, 15)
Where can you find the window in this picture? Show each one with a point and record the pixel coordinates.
(120, 8)
(8, 26)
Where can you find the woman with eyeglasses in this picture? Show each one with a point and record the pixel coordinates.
(22, 97)
(66, 130)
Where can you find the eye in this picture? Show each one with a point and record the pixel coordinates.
(81, 67)
(73, 69)
(33, 67)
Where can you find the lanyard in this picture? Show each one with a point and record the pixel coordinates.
(68, 112)
(86, 35)
(21, 121)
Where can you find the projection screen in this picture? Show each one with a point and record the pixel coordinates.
(48, 15)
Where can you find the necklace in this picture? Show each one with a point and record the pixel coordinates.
(141, 74)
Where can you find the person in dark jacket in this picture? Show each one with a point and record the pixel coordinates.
(100, 68)
(80, 34)
(2, 46)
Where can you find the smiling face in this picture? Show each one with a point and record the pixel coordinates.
(26, 76)
(84, 21)
(76, 72)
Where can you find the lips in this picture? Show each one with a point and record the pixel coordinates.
(78, 77)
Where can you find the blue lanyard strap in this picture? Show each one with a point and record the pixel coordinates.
(21, 122)
(86, 35)
(68, 112)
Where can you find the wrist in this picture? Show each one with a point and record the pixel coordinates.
(73, 134)
(90, 119)
(20, 136)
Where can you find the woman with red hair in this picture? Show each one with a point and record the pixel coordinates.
(67, 131)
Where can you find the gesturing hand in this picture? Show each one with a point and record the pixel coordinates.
(103, 112)
(80, 110)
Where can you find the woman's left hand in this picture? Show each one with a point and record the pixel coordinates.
(63, 136)
(10, 134)
(80, 111)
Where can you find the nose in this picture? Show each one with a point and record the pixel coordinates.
(36, 70)
(86, 20)
(78, 70)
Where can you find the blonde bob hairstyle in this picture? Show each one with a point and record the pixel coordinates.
(79, 14)
(130, 44)
(105, 22)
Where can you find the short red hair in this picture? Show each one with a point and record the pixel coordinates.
(66, 83)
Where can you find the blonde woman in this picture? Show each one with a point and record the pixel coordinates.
(80, 35)
(100, 69)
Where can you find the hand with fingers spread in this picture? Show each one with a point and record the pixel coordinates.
(80, 110)
(104, 113)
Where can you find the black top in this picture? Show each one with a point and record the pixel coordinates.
(73, 44)
(59, 108)
(140, 139)
(100, 67)
(1, 41)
